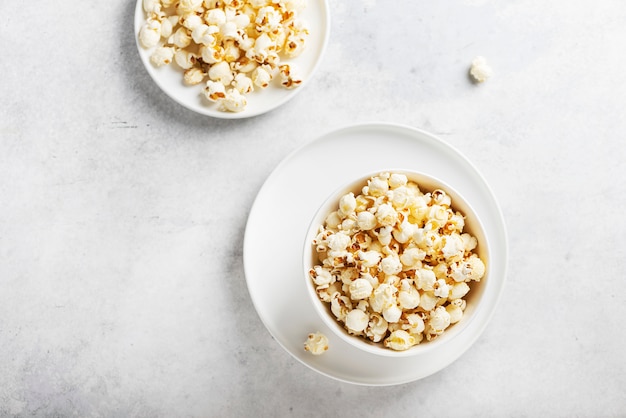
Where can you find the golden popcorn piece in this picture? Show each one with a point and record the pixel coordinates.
(316, 343)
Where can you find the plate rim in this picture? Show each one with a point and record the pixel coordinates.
(419, 135)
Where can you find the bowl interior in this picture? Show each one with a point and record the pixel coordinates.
(472, 226)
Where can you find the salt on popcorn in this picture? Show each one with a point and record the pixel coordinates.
(241, 44)
(394, 263)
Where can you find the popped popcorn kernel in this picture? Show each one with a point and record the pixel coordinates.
(261, 77)
(316, 343)
(400, 340)
(181, 39)
(252, 36)
(162, 56)
(360, 289)
(214, 91)
(221, 72)
(150, 33)
(234, 101)
(243, 83)
(357, 320)
(193, 76)
(455, 312)
(394, 262)
(290, 76)
(439, 320)
(480, 70)
(152, 6)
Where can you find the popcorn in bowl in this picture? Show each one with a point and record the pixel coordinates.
(242, 45)
(395, 261)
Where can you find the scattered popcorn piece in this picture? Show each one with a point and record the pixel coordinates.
(251, 36)
(480, 70)
(394, 262)
(316, 343)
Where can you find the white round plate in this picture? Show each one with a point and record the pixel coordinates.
(170, 77)
(279, 220)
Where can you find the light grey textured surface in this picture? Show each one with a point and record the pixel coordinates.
(122, 214)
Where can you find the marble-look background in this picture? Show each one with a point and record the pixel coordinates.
(122, 214)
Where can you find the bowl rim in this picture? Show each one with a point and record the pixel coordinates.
(321, 308)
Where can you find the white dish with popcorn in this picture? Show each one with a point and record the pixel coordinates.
(396, 262)
(231, 58)
(279, 227)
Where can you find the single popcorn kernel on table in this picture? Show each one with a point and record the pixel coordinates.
(316, 343)
(394, 264)
(480, 70)
(238, 43)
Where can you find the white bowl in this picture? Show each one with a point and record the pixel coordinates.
(473, 226)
